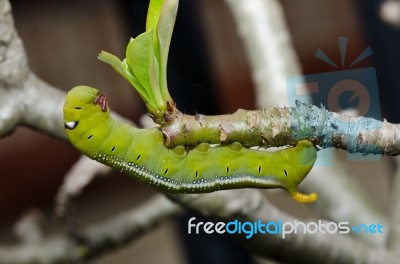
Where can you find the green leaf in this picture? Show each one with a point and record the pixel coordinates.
(123, 68)
(136, 83)
(153, 13)
(145, 65)
(113, 60)
(154, 74)
(141, 60)
(165, 28)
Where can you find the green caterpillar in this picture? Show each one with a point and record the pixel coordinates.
(141, 153)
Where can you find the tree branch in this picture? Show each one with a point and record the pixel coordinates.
(390, 12)
(262, 27)
(95, 239)
(266, 37)
(24, 100)
(243, 205)
(285, 126)
(393, 241)
(78, 177)
(249, 205)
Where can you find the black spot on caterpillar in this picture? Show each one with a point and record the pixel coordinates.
(141, 154)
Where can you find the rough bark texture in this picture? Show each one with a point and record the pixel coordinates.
(27, 100)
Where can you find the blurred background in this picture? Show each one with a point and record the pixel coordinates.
(207, 73)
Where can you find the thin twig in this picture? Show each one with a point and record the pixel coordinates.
(78, 177)
(96, 239)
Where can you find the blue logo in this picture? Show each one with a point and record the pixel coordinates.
(350, 91)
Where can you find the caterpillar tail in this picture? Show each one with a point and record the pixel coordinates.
(304, 198)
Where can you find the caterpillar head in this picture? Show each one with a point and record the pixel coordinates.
(83, 106)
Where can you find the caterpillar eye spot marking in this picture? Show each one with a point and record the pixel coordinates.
(200, 169)
(78, 108)
(71, 125)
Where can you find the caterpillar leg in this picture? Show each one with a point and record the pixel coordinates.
(304, 198)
